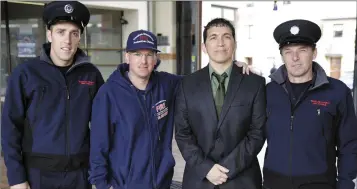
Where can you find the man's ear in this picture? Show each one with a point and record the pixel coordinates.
(315, 54)
(157, 64)
(49, 35)
(203, 46)
(127, 57)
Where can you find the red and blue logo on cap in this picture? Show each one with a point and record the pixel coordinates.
(141, 39)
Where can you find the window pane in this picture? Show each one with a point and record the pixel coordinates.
(27, 32)
(216, 12)
(105, 57)
(106, 70)
(250, 31)
(338, 27)
(4, 73)
(338, 30)
(338, 33)
(104, 29)
(4, 64)
(229, 14)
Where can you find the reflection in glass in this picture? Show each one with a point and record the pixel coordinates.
(104, 37)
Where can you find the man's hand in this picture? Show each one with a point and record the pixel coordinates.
(217, 175)
(24, 185)
(245, 66)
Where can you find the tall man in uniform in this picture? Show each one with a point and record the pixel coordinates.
(219, 118)
(311, 119)
(45, 120)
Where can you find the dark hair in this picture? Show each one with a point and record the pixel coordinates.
(50, 27)
(312, 46)
(218, 22)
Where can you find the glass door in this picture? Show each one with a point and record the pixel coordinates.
(22, 35)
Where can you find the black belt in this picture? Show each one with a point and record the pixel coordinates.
(51, 162)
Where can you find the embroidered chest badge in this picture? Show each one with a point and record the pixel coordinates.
(82, 82)
(320, 103)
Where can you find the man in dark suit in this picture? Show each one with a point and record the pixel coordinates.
(219, 118)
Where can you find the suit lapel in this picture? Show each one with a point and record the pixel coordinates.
(207, 95)
(234, 83)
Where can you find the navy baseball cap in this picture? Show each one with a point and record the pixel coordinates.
(141, 39)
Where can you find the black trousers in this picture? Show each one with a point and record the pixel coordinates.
(58, 180)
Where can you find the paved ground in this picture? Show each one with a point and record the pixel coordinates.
(180, 162)
(179, 167)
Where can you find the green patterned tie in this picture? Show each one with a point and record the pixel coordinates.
(221, 92)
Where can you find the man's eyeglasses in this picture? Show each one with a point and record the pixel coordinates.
(140, 55)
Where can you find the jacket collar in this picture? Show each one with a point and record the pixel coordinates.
(280, 75)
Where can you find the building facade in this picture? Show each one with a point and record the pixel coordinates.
(255, 22)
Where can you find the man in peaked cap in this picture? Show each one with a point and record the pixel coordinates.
(311, 118)
(45, 120)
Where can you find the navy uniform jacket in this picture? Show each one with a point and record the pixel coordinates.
(45, 120)
(304, 140)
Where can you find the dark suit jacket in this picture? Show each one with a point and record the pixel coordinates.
(233, 141)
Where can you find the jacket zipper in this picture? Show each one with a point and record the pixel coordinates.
(291, 138)
(67, 122)
(153, 164)
(293, 108)
(151, 141)
(67, 111)
(291, 147)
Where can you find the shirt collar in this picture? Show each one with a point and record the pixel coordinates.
(211, 70)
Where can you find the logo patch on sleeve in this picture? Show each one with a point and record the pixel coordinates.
(161, 109)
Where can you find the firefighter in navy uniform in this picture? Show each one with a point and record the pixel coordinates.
(311, 120)
(45, 120)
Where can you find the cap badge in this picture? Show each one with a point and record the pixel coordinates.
(68, 8)
(143, 38)
(294, 30)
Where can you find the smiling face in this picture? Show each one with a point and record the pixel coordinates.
(220, 44)
(64, 38)
(298, 59)
(142, 63)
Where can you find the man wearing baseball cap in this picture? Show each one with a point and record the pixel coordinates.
(132, 122)
(311, 119)
(45, 120)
